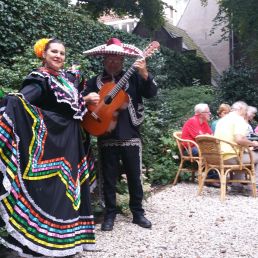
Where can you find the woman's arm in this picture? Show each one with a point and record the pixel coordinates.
(32, 92)
(33, 88)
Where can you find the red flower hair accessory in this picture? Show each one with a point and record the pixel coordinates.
(40, 46)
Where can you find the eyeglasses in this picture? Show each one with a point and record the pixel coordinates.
(206, 112)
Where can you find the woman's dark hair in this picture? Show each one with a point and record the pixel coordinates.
(54, 40)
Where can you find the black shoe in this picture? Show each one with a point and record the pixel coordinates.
(141, 221)
(108, 224)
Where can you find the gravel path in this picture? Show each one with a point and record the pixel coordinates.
(185, 225)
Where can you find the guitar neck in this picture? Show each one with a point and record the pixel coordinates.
(147, 52)
(122, 81)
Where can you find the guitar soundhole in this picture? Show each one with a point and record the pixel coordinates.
(108, 99)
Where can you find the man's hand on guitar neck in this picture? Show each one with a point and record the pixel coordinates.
(92, 98)
(140, 65)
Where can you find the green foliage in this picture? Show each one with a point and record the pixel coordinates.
(238, 83)
(239, 19)
(243, 17)
(164, 168)
(23, 22)
(149, 11)
(97, 8)
(12, 75)
(240, 16)
(178, 69)
(153, 14)
(121, 186)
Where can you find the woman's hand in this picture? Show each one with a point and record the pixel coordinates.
(92, 98)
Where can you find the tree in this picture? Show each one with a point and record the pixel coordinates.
(241, 17)
(150, 12)
(238, 83)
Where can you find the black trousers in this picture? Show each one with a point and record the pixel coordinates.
(110, 166)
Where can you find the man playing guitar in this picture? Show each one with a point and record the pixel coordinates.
(121, 142)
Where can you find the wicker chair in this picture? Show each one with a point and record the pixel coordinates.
(210, 147)
(185, 152)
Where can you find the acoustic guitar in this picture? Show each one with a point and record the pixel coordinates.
(102, 118)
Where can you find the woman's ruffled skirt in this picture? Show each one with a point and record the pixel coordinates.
(45, 176)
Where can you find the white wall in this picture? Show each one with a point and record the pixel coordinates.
(178, 6)
(197, 22)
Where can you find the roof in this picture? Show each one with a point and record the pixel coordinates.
(189, 44)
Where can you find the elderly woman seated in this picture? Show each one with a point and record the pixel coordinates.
(222, 111)
(251, 112)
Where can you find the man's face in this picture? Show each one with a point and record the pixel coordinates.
(206, 114)
(113, 64)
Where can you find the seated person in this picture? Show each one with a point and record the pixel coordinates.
(222, 111)
(198, 124)
(233, 128)
(251, 112)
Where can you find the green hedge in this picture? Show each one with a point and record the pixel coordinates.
(22, 22)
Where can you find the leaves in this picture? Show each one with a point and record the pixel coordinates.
(241, 17)
(24, 21)
(149, 11)
(238, 83)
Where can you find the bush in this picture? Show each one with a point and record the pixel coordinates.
(164, 168)
(238, 83)
(22, 22)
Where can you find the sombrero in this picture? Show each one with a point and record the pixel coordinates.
(114, 47)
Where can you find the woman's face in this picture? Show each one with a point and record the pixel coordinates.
(224, 112)
(54, 56)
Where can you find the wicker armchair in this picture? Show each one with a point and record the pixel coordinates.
(186, 155)
(210, 147)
